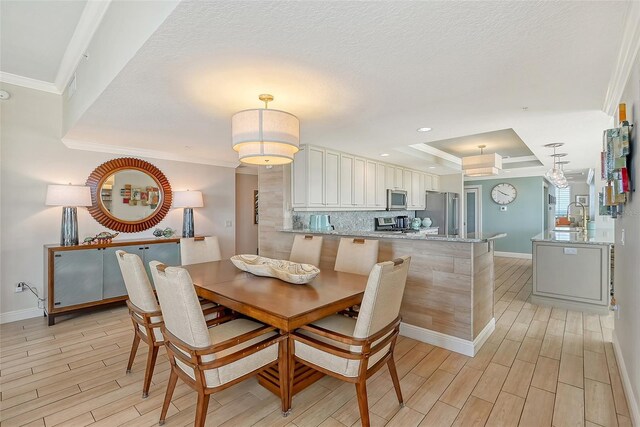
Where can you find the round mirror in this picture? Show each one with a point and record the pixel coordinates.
(129, 195)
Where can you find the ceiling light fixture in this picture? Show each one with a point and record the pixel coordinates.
(265, 137)
(555, 175)
(483, 164)
(384, 155)
(424, 129)
(432, 167)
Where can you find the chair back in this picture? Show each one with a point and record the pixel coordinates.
(357, 256)
(195, 250)
(306, 249)
(137, 282)
(179, 304)
(382, 297)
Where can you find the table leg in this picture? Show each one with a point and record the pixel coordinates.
(284, 375)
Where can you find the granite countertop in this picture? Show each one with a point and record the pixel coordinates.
(406, 236)
(591, 237)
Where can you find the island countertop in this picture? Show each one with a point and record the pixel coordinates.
(591, 237)
(475, 238)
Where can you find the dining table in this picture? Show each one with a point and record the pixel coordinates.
(277, 303)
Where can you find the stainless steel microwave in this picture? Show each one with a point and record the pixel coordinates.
(396, 200)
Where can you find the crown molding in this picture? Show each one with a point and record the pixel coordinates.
(87, 25)
(141, 152)
(27, 82)
(626, 58)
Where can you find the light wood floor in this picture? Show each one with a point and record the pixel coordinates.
(540, 367)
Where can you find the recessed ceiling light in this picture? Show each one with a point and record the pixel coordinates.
(432, 167)
(507, 170)
(384, 155)
(424, 129)
(525, 108)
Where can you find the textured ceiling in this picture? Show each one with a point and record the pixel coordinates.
(34, 35)
(363, 76)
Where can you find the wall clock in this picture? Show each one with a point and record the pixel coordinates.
(504, 193)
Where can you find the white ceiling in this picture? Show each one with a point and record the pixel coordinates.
(363, 76)
(35, 34)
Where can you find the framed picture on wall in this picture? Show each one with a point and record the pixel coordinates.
(583, 199)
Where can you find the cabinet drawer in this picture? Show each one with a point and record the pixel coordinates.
(77, 276)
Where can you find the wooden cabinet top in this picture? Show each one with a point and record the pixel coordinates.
(117, 243)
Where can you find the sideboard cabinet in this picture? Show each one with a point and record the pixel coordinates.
(81, 277)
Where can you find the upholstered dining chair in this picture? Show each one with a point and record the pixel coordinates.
(356, 255)
(145, 312)
(354, 349)
(210, 360)
(306, 249)
(195, 250)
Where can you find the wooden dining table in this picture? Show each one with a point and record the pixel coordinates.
(280, 304)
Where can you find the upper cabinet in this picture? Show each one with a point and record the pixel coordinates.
(323, 179)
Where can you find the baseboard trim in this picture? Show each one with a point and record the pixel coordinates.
(513, 255)
(459, 345)
(632, 401)
(26, 313)
(570, 305)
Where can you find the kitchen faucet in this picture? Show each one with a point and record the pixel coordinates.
(584, 213)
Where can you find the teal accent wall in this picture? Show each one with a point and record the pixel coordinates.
(523, 218)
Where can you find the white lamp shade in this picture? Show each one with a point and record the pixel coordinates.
(187, 199)
(68, 195)
(265, 137)
(482, 165)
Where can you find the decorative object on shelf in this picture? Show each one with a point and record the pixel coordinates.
(615, 164)
(555, 175)
(130, 178)
(166, 233)
(255, 206)
(416, 223)
(265, 137)
(426, 222)
(483, 164)
(100, 238)
(69, 197)
(291, 272)
(504, 193)
(187, 200)
(583, 199)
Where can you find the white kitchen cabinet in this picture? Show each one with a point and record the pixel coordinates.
(307, 182)
(416, 198)
(372, 180)
(316, 177)
(346, 180)
(332, 178)
(435, 183)
(398, 182)
(381, 188)
(359, 181)
(428, 182)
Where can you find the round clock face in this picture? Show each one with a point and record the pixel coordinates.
(503, 193)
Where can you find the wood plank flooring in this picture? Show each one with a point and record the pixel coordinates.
(541, 367)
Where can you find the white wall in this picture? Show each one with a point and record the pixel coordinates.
(627, 267)
(33, 156)
(246, 230)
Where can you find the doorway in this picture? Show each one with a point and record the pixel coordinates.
(472, 210)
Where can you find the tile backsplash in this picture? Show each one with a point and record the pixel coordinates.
(347, 221)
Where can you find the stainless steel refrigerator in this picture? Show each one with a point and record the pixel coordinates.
(444, 211)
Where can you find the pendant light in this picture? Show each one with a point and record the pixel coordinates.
(265, 137)
(483, 164)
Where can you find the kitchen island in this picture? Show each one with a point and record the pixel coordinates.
(573, 269)
(448, 299)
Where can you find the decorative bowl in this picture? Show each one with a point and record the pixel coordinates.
(291, 272)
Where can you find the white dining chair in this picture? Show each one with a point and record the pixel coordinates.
(195, 250)
(354, 349)
(356, 255)
(145, 312)
(306, 249)
(210, 360)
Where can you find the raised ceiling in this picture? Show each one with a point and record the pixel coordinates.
(35, 36)
(363, 76)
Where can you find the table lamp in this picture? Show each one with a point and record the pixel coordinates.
(69, 197)
(187, 200)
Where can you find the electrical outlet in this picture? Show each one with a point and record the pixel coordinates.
(20, 287)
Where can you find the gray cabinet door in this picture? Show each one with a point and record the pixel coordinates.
(166, 253)
(77, 277)
(113, 283)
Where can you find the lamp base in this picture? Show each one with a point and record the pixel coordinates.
(69, 228)
(187, 223)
